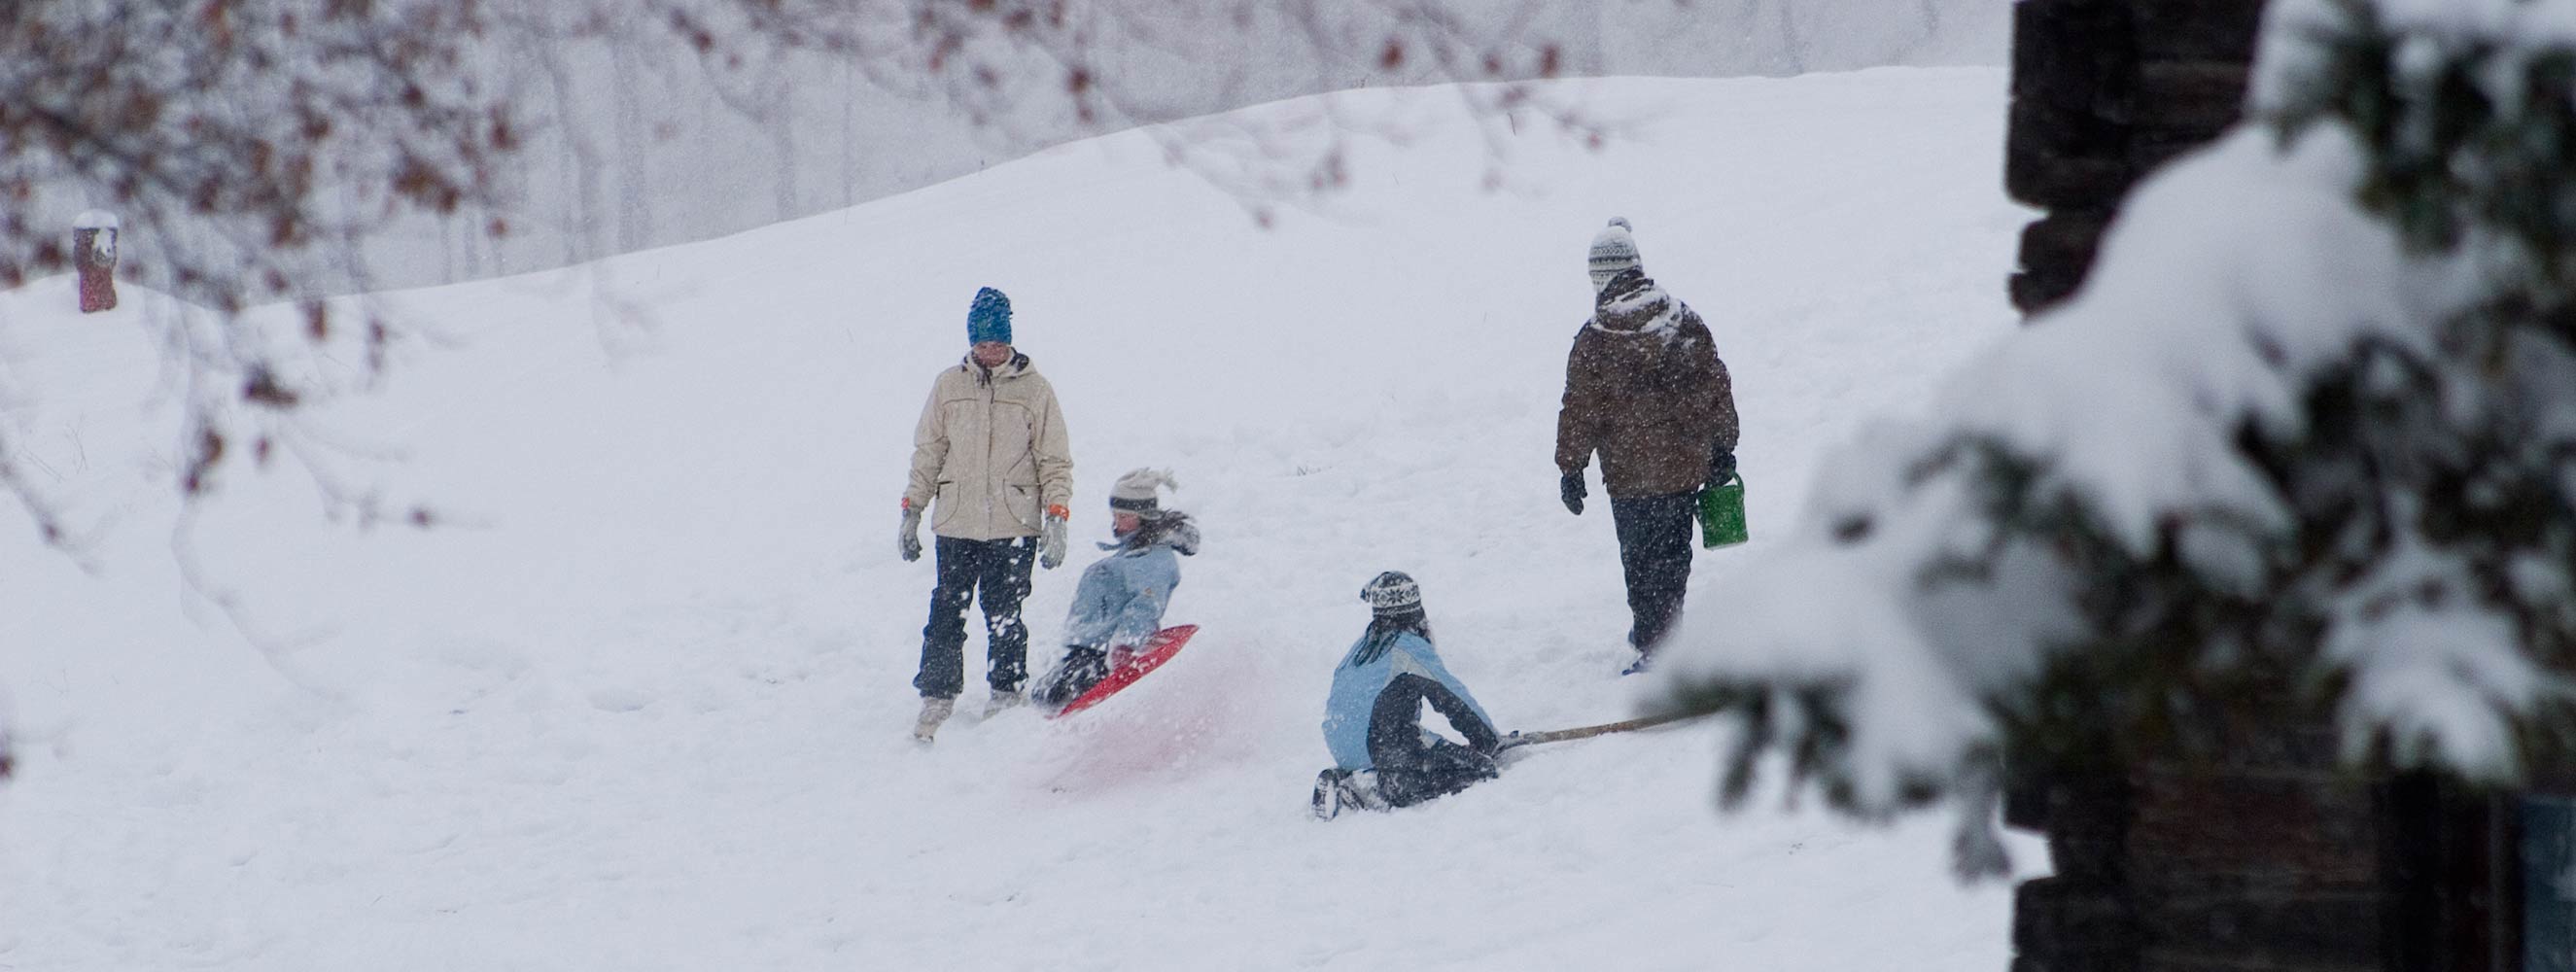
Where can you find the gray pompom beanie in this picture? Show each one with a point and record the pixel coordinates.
(1136, 492)
(1614, 251)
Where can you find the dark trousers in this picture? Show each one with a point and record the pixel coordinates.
(1410, 775)
(1083, 667)
(1655, 552)
(997, 572)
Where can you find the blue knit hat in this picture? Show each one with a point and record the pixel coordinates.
(990, 318)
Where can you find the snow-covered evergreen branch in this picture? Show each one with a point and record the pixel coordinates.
(2304, 448)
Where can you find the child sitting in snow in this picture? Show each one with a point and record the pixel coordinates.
(1385, 757)
(1121, 599)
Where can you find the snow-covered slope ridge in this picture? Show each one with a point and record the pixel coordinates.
(640, 702)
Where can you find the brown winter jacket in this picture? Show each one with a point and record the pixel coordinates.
(991, 448)
(1644, 388)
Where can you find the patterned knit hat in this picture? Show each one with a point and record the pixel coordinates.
(1613, 251)
(1393, 592)
(1134, 492)
(989, 319)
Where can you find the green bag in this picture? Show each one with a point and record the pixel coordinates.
(1721, 514)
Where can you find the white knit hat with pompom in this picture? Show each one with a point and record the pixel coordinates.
(1136, 491)
(1614, 251)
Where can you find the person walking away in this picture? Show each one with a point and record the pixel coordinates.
(991, 464)
(1383, 757)
(1121, 599)
(1644, 389)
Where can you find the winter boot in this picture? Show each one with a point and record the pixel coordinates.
(1337, 790)
(934, 710)
(1002, 701)
(1328, 794)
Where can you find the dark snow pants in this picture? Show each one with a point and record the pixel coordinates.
(1083, 667)
(1413, 764)
(1436, 768)
(997, 572)
(1655, 552)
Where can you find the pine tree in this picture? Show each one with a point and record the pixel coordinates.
(2303, 453)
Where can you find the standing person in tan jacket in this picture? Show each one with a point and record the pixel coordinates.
(1645, 389)
(991, 452)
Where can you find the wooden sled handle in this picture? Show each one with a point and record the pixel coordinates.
(1519, 739)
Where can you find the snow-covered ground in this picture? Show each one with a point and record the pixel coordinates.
(641, 701)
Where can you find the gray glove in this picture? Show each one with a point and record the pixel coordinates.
(1051, 542)
(1570, 489)
(908, 541)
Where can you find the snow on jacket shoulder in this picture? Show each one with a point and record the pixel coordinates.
(1350, 710)
(1645, 389)
(1122, 597)
(991, 449)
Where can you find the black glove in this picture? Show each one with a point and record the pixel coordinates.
(1570, 489)
(1721, 468)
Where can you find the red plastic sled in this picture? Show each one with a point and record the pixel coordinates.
(1158, 649)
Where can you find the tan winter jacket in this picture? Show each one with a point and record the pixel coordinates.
(991, 448)
(1644, 388)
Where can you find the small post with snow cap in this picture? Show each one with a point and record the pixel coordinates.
(94, 252)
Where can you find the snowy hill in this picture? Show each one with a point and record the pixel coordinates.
(641, 702)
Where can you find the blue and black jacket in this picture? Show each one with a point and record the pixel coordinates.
(1378, 691)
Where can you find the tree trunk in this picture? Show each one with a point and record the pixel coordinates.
(94, 253)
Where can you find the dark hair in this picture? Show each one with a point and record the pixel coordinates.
(1383, 629)
(1155, 527)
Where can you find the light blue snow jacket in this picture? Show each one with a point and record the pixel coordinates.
(1353, 703)
(1121, 598)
